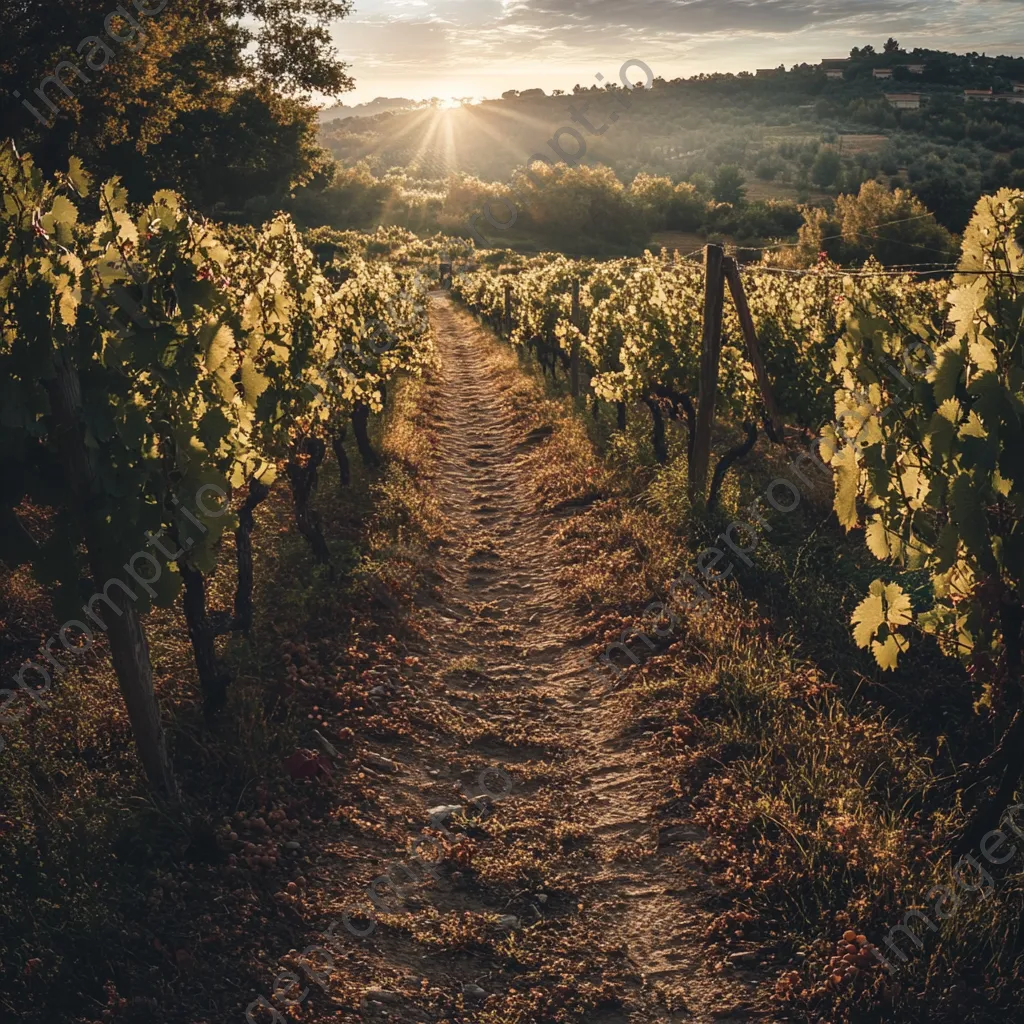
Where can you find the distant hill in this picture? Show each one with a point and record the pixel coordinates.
(339, 112)
(951, 126)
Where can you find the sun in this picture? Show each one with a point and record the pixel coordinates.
(449, 104)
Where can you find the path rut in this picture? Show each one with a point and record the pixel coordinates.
(502, 608)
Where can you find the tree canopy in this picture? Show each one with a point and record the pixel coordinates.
(894, 227)
(207, 96)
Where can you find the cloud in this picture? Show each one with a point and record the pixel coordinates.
(557, 28)
(688, 18)
(484, 40)
(396, 44)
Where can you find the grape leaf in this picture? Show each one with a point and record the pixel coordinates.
(253, 382)
(883, 544)
(847, 480)
(80, 179)
(217, 341)
(167, 587)
(867, 617)
(967, 513)
(945, 375)
(883, 611)
(213, 427)
(887, 653)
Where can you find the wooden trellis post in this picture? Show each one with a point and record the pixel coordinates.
(574, 358)
(445, 275)
(732, 275)
(508, 309)
(718, 269)
(711, 350)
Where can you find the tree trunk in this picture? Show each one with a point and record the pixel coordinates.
(620, 412)
(126, 634)
(344, 470)
(658, 434)
(680, 402)
(258, 493)
(726, 461)
(772, 419)
(675, 406)
(129, 652)
(303, 478)
(213, 678)
(686, 404)
(711, 352)
(574, 355)
(203, 626)
(360, 421)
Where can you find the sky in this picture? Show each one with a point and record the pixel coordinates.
(480, 48)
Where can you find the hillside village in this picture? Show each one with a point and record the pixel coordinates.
(930, 71)
(973, 77)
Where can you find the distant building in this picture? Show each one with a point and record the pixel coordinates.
(989, 96)
(769, 72)
(882, 73)
(916, 69)
(835, 67)
(1018, 86)
(904, 100)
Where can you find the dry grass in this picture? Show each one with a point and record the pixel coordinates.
(823, 787)
(684, 241)
(853, 145)
(762, 191)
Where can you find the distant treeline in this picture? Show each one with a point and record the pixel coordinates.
(587, 211)
(788, 130)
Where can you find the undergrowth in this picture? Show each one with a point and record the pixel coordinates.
(118, 907)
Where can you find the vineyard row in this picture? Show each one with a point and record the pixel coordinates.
(911, 387)
(150, 359)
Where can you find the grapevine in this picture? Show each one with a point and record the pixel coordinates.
(155, 368)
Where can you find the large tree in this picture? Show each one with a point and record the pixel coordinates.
(210, 97)
(894, 227)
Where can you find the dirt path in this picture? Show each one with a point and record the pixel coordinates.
(502, 626)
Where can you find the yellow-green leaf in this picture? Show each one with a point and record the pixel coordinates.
(847, 481)
(80, 179)
(217, 341)
(254, 383)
